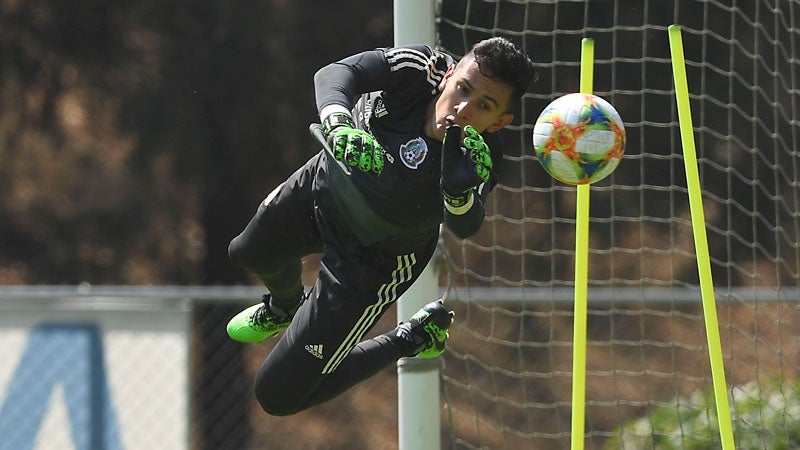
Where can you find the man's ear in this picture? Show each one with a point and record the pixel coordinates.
(447, 76)
(501, 123)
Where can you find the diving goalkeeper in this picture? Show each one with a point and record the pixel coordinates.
(410, 144)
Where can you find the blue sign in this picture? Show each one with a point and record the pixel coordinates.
(67, 355)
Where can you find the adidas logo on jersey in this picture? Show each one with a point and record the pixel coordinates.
(379, 108)
(315, 350)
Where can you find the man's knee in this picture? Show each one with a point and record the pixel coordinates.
(275, 403)
(236, 250)
(244, 254)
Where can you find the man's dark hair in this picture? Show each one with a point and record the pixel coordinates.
(501, 60)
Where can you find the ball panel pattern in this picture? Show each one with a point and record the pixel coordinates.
(579, 138)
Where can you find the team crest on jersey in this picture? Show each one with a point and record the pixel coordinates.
(413, 152)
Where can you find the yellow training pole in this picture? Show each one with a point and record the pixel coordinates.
(700, 239)
(581, 276)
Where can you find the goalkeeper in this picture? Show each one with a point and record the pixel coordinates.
(411, 144)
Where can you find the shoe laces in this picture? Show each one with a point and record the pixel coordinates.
(264, 315)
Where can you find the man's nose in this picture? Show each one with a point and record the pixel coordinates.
(462, 109)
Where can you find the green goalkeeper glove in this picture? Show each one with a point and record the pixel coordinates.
(463, 167)
(352, 146)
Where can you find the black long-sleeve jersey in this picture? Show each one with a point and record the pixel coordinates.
(389, 92)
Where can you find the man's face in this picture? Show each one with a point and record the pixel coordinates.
(470, 98)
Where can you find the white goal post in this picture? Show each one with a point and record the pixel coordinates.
(417, 379)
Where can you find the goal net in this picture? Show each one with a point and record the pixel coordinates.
(507, 375)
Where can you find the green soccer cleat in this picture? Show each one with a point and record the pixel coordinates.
(427, 329)
(257, 323)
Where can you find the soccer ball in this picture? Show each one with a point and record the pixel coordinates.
(579, 138)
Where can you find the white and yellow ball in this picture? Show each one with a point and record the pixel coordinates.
(579, 138)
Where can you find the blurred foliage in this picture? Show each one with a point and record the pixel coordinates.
(762, 417)
(137, 138)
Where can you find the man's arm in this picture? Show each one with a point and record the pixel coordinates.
(336, 87)
(338, 84)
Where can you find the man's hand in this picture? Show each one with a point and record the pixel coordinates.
(464, 167)
(352, 146)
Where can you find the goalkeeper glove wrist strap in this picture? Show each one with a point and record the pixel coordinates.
(458, 204)
(336, 120)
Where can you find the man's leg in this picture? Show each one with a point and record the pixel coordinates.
(282, 231)
(320, 356)
(293, 376)
(424, 335)
(261, 248)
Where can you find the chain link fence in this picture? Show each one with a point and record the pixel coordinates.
(152, 368)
